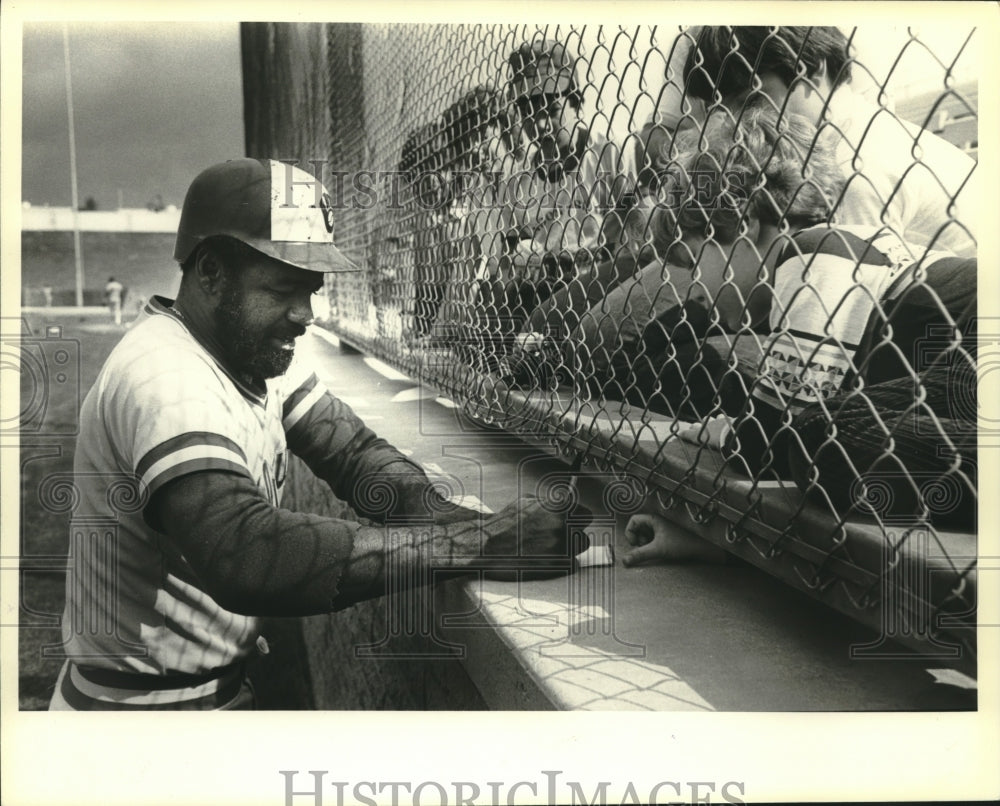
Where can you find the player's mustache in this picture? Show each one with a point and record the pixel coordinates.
(293, 333)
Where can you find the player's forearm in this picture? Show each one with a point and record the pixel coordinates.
(256, 559)
(405, 556)
(397, 557)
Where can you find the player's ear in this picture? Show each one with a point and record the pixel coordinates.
(209, 271)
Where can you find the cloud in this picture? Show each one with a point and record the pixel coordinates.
(154, 103)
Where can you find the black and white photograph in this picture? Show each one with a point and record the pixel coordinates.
(513, 404)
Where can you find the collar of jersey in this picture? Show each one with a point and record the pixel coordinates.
(162, 306)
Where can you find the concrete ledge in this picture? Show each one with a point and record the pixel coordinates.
(872, 572)
(923, 580)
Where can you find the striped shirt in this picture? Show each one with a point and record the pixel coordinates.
(163, 406)
(828, 283)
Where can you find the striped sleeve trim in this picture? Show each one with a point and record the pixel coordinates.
(181, 441)
(820, 340)
(836, 242)
(189, 453)
(301, 401)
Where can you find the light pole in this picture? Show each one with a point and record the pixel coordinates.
(77, 251)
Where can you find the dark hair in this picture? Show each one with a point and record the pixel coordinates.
(469, 119)
(423, 155)
(230, 251)
(725, 59)
(573, 98)
(764, 168)
(419, 148)
(471, 113)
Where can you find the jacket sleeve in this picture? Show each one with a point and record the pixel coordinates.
(758, 440)
(256, 559)
(360, 467)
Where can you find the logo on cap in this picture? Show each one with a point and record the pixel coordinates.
(326, 207)
(301, 208)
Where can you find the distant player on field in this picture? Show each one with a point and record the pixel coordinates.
(114, 293)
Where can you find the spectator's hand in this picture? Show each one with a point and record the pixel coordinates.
(512, 236)
(525, 540)
(536, 362)
(525, 259)
(528, 343)
(711, 433)
(656, 538)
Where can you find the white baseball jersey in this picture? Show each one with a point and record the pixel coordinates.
(163, 407)
(113, 291)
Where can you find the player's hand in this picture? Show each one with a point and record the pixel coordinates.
(656, 538)
(448, 512)
(526, 540)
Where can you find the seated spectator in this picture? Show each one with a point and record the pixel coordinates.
(926, 200)
(559, 206)
(650, 147)
(868, 368)
(798, 70)
(422, 229)
(479, 147)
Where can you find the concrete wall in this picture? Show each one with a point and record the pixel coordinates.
(322, 663)
(125, 220)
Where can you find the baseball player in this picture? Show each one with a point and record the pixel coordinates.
(114, 293)
(179, 543)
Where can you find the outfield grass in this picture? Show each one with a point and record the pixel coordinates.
(141, 260)
(47, 451)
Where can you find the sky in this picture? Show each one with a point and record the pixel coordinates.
(154, 103)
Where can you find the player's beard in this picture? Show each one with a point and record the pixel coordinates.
(249, 348)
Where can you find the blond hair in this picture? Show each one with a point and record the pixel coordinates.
(776, 170)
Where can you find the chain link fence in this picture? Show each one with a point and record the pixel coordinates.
(737, 265)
